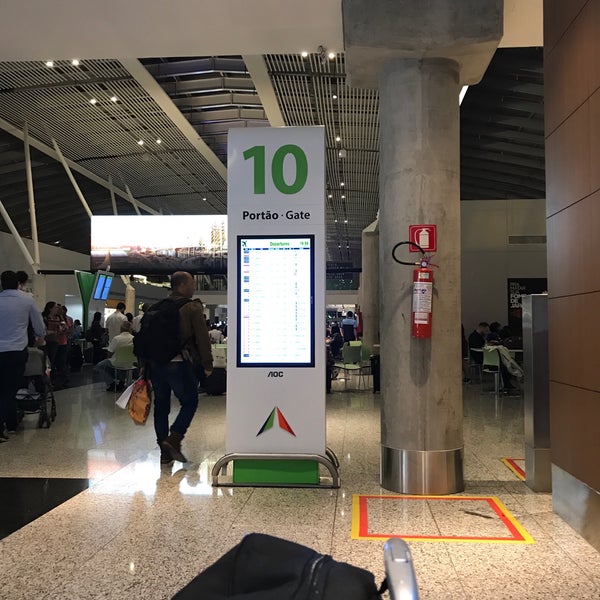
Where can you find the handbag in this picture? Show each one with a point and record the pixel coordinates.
(139, 401)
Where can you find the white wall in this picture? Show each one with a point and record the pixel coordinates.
(488, 260)
(51, 258)
(64, 288)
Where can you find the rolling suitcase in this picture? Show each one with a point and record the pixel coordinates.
(216, 384)
(75, 358)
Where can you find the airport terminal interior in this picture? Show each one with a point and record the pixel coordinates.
(126, 110)
(128, 528)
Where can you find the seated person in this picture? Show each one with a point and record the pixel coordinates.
(477, 340)
(336, 343)
(494, 333)
(106, 367)
(215, 334)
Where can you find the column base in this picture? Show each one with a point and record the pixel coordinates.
(422, 472)
(538, 469)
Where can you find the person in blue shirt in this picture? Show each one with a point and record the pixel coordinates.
(349, 326)
(17, 310)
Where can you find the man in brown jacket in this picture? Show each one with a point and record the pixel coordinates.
(179, 375)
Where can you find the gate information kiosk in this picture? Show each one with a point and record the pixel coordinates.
(276, 303)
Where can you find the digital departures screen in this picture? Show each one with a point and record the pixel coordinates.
(275, 301)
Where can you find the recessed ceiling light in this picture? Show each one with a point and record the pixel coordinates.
(159, 141)
(330, 195)
(338, 138)
(304, 54)
(75, 62)
(141, 142)
(204, 199)
(335, 220)
(345, 220)
(331, 55)
(93, 101)
(334, 96)
(343, 197)
(339, 245)
(49, 63)
(342, 183)
(114, 99)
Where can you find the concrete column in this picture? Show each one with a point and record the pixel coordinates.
(421, 422)
(129, 294)
(420, 52)
(369, 285)
(38, 289)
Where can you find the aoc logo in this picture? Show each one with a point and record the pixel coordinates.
(281, 422)
(275, 374)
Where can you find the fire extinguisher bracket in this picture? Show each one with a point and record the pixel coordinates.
(422, 300)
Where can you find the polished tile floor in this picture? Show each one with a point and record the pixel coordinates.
(140, 531)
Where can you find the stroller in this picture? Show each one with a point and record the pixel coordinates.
(35, 393)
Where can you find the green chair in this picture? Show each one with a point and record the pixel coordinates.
(351, 363)
(491, 364)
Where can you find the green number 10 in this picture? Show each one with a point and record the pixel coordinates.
(258, 154)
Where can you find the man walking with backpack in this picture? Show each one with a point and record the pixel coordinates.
(173, 341)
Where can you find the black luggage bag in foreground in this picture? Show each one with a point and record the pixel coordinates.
(262, 567)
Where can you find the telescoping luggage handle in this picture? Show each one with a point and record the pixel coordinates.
(400, 574)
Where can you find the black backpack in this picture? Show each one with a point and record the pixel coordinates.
(269, 568)
(158, 341)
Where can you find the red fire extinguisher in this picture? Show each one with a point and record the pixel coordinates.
(422, 301)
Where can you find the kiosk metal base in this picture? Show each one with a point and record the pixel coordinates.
(330, 461)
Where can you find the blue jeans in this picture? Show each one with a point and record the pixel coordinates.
(179, 378)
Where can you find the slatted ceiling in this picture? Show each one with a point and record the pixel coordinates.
(213, 93)
(103, 138)
(305, 88)
(502, 140)
(135, 116)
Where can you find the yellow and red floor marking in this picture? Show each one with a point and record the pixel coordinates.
(515, 533)
(516, 465)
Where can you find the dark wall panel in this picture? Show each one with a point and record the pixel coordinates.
(574, 418)
(573, 252)
(568, 173)
(567, 71)
(595, 137)
(557, 16)
(572, 75)
(574, 341)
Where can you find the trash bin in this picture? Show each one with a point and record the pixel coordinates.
(375, 372)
